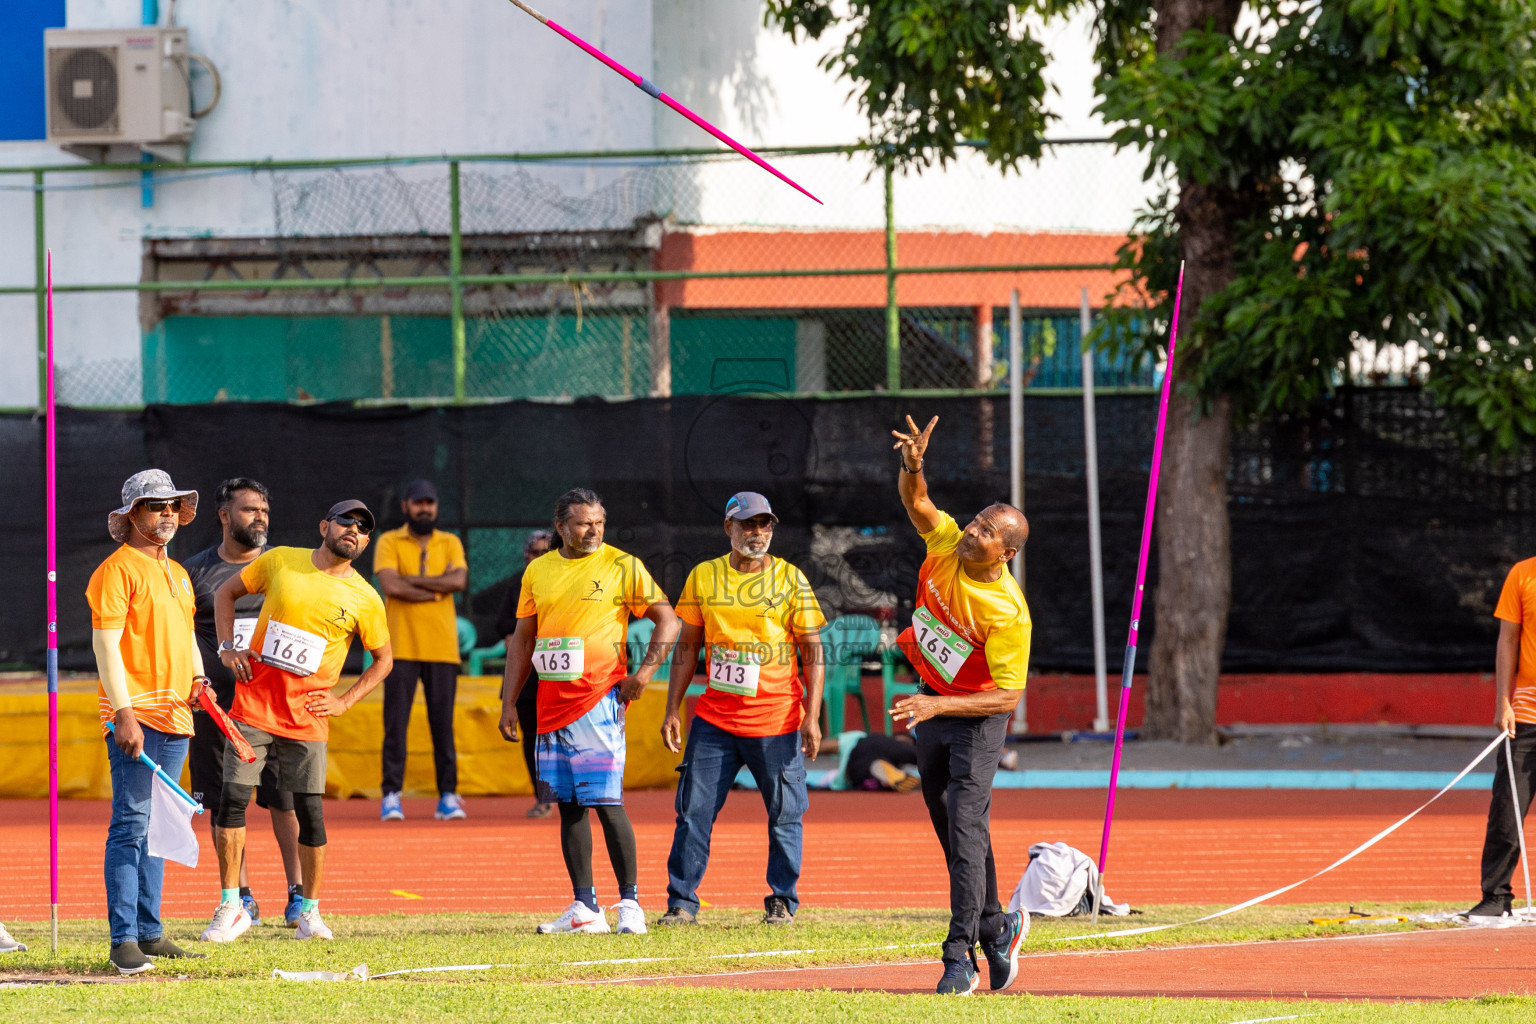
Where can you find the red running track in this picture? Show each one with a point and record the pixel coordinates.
(863, 850)
(1459, 964)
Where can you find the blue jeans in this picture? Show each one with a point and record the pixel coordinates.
(133, 876)
(710, 763)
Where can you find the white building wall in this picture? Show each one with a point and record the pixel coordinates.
(358, 78)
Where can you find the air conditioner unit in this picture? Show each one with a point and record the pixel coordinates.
(116, 93)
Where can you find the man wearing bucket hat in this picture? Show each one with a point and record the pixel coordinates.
(147, 659)
(754, 612)
(315, 604)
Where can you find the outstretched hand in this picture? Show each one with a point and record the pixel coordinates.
(913, 443)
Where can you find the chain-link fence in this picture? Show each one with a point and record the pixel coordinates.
(612, 275)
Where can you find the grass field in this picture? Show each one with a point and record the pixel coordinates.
(546, 977)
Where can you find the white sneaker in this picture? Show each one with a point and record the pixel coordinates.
(631, 918)
(577, 918)
(311, 927)
(229, 922)
(8, 944)
(450, 808)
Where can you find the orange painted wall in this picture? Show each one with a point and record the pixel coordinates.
(806, 250)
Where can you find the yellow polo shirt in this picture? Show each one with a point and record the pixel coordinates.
(421, 630)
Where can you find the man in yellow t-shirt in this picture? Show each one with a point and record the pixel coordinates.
(753, 613)
(969, 641)
(420, 569)
(1515, 715)
(315, 604)
(147, 658)
(572, 618)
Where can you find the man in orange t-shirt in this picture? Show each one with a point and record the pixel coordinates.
(141, 629)
(754, 613)
(1515, 715)
(315, 603)
(969, 641)
(572, 619)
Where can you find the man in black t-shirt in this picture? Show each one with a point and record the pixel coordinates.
(538, 542)
(243, 511)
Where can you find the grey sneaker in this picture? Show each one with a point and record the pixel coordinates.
(168, 949)
(777, 911)
(676, 916)
(8, 944)
(128, 958)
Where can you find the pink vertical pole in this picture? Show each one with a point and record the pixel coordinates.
(1129, 669)
(53, 629)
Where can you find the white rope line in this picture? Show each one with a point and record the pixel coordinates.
(652, 959)
(1351, 855)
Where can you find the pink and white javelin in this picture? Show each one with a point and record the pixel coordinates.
(651, 89)
(1141, 579)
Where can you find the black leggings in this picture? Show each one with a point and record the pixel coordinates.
(576, 843)
(307, 807)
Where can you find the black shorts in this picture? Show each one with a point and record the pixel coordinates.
(205, 760)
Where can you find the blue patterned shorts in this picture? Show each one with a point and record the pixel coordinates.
(584, 762)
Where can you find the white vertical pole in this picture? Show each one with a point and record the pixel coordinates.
(1095, 541)
(1020, 723)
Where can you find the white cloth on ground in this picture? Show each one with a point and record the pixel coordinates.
(1054, 883)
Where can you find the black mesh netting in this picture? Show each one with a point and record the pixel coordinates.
(1363, 539)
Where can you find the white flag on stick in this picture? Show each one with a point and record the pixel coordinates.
(170, 826)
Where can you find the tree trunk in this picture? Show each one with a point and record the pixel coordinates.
(1194, 586)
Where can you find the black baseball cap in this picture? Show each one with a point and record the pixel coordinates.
(416, 490)
(354, 507)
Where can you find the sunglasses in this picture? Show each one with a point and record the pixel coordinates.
(364, 527)
(171, 505)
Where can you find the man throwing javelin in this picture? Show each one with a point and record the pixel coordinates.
(315, 604)
(969, 641)
(572, 617)
(753, 611)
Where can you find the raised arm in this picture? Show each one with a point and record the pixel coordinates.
(912, 444)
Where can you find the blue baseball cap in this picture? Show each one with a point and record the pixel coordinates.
(746, 504)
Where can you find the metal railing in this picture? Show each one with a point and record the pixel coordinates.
(457, 280)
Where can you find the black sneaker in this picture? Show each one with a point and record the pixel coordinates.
(128, 958)
(1492, 906)
(777, 911)
(168, 949)
(960, 978)
(1003, 955)
(677, 915)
